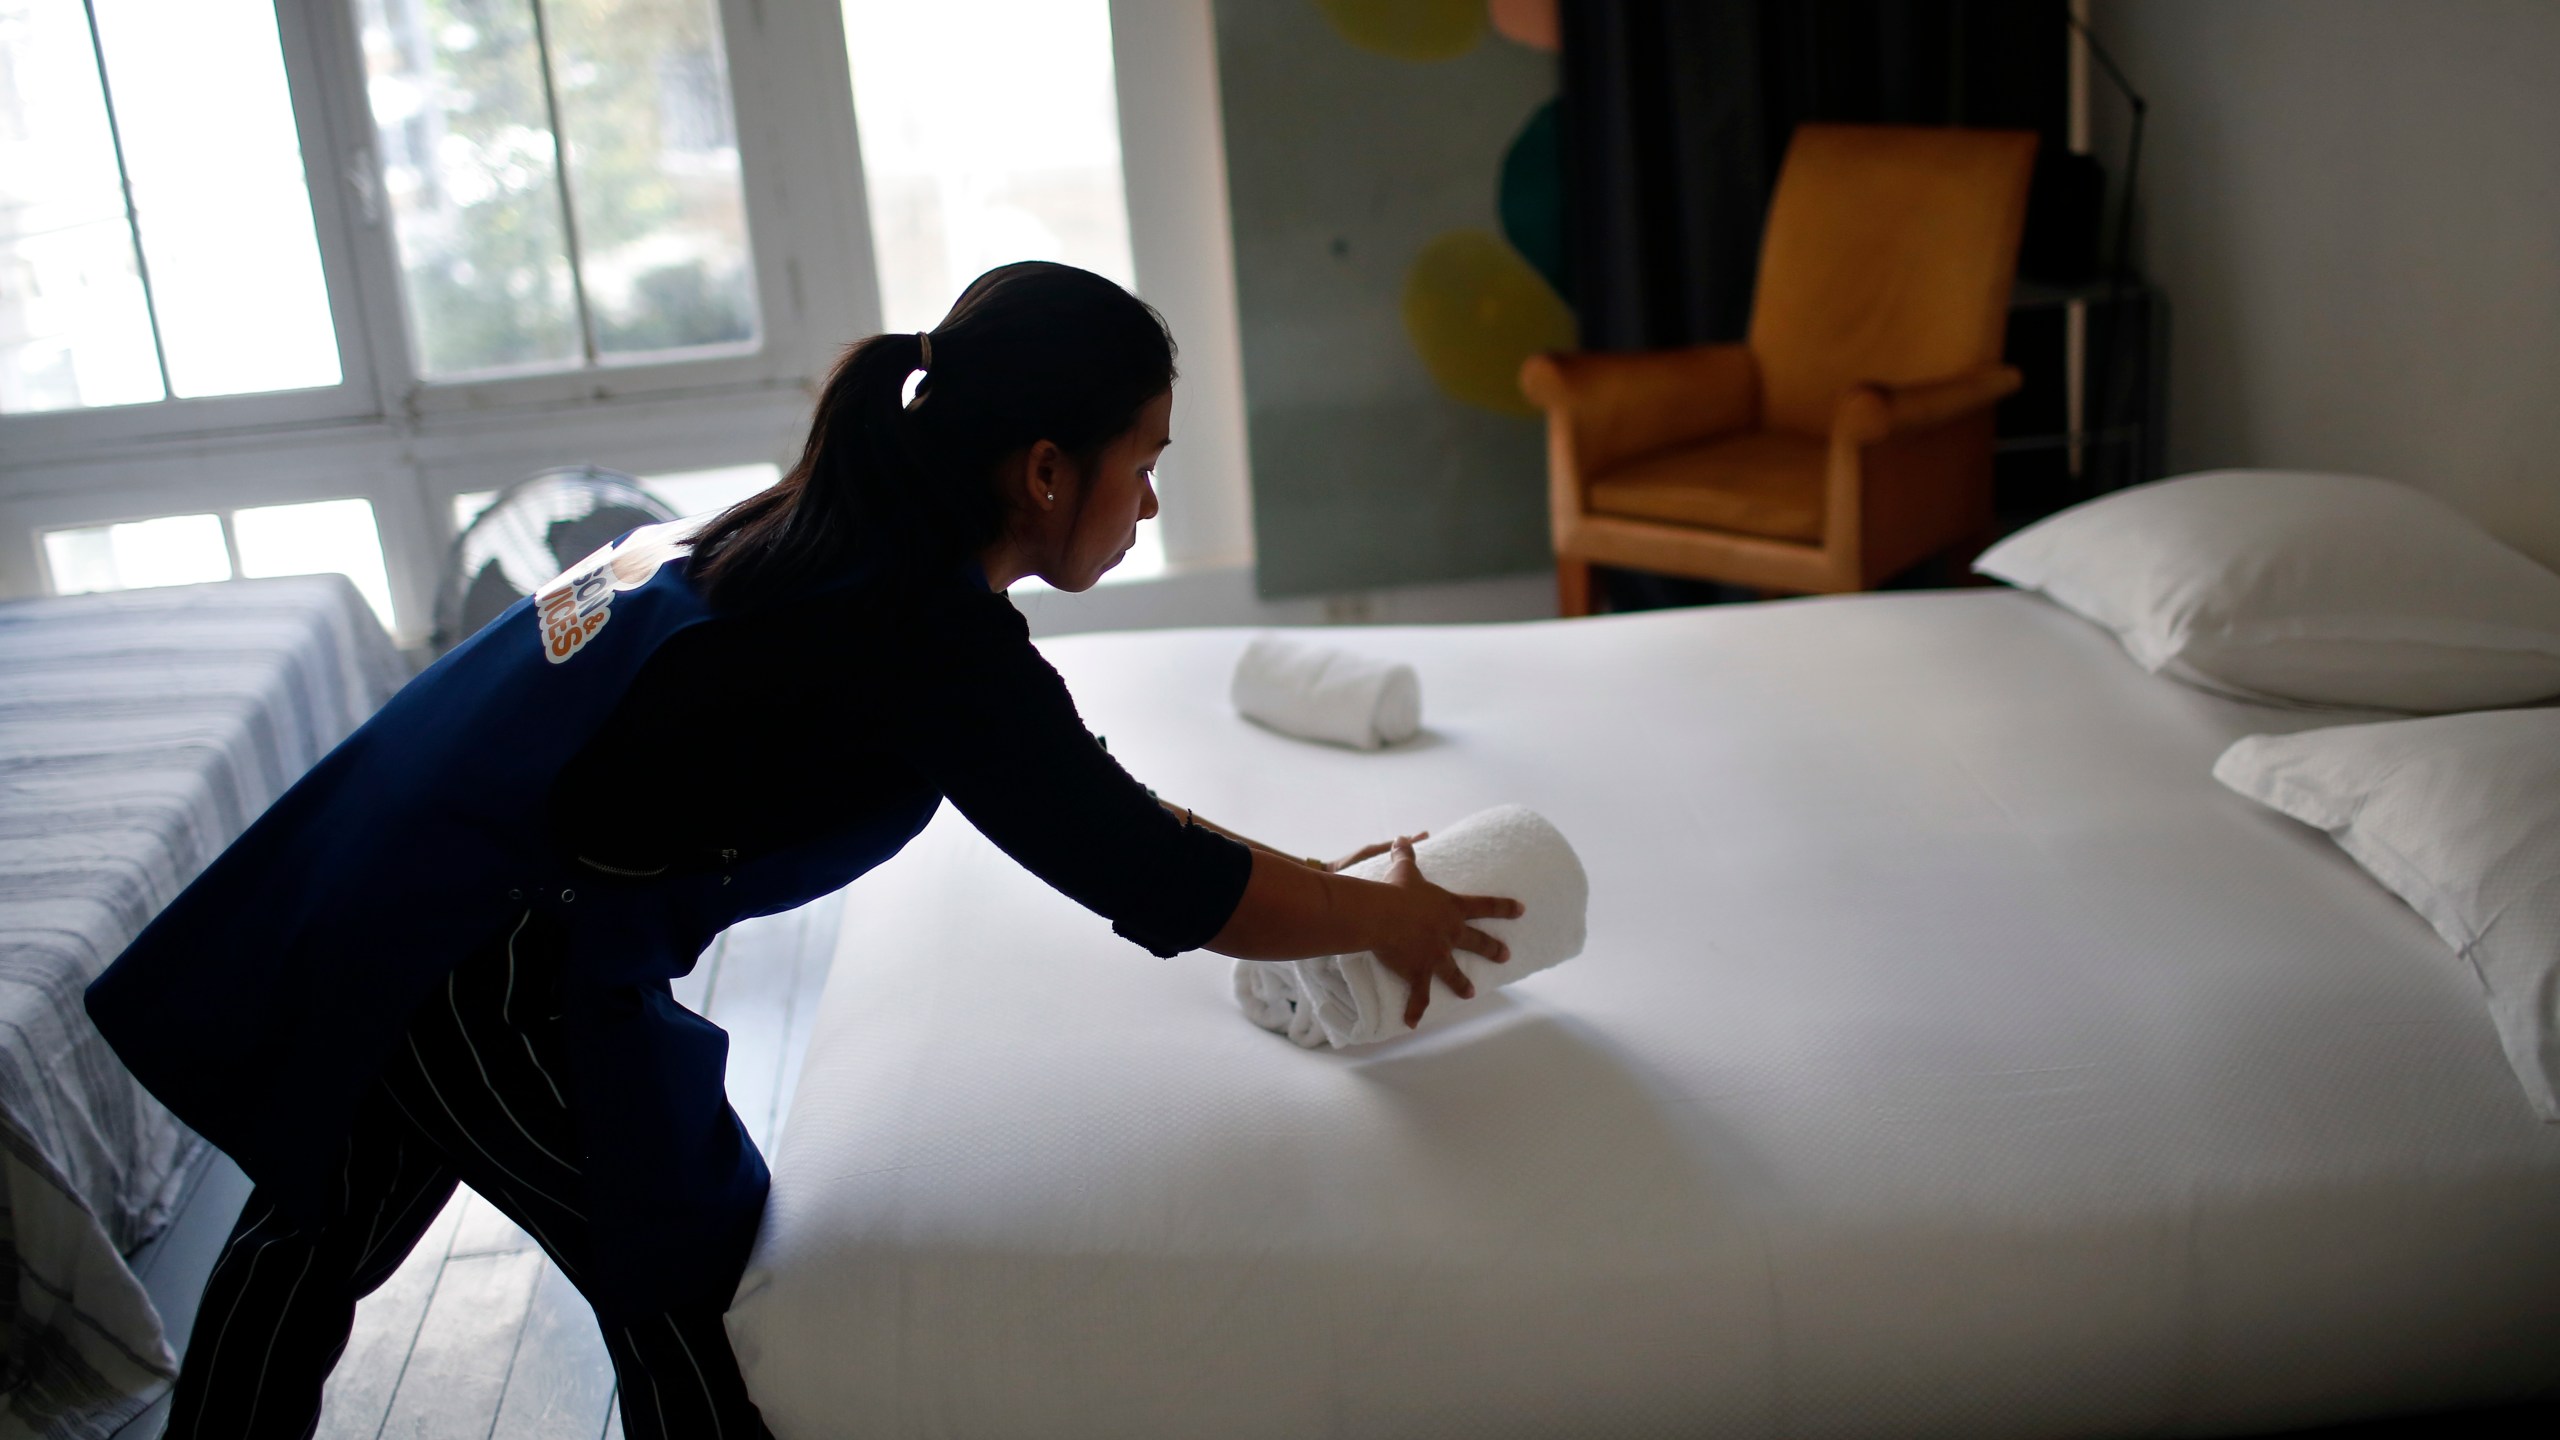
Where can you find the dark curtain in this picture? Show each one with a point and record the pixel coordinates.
(1676, 113)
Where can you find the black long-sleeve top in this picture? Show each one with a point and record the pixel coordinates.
(760, 731)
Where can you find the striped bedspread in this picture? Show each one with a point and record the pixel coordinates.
(139, 733)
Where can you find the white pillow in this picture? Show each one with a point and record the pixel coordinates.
(2322, 589)
(2460, 816)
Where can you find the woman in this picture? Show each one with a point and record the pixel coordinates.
(443, 956)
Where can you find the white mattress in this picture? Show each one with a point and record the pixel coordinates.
(1951, 1056)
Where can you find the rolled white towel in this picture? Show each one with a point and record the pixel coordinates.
(1510, 851)
(1319, 693)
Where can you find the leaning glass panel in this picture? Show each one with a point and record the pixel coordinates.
(654, 184)
(471, 176)
(172, 550)
(320, 537)
(75, 330)
(218, 192)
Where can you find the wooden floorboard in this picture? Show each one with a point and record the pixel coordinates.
(484, 1229)
(562, 1383)
(359, 1392)
(466, 1345)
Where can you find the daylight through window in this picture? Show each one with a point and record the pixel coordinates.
(312, 537)
(1026, 168)
(563, 180)
(152, 246)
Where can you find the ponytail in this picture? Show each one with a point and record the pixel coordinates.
(1031, 351)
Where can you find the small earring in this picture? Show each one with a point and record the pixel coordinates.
(1049, 499)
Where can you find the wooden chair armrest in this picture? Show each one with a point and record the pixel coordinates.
(1618, 407)
(1872, 412)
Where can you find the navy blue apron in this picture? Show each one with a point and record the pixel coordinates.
(260, 1004)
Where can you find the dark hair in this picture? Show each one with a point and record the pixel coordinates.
(1031, 351)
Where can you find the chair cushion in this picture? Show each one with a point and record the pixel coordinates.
(1766, 483)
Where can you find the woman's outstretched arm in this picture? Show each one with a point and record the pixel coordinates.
(991, 725)
(1292, 912)
(1185, 815)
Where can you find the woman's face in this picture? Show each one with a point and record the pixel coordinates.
(1117, 492)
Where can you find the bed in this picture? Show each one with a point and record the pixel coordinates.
(139, 733)
(1950, 1056)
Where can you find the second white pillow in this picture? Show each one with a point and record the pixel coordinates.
(2459, 815)
(2317, 589)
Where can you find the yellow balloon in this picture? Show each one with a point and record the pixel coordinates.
(1408, 29)
(1475, 310)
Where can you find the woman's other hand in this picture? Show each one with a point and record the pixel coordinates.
(1427, 926)
(1370, 852)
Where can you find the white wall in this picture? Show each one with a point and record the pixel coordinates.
(2354, 209)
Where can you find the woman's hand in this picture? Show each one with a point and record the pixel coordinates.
(1293, 909)
(1427, 925)
(1369, 852)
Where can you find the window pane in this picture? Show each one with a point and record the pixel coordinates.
(653, 173)
(706, 492)
(1025, 167)
(470, 174)
(210, 146)
(172, 550)
(325, 537)
(73, 327)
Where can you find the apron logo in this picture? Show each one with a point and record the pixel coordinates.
(573, 609)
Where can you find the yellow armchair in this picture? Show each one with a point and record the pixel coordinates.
(1850, 436)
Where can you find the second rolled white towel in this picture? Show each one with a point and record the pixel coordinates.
(1510, 851)
(1316, 692)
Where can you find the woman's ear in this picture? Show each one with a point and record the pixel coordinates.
(1049, 477)
(1040, 472)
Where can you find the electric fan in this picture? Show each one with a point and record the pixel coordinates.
(536, 528)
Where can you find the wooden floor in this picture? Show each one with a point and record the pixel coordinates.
(477, 1335)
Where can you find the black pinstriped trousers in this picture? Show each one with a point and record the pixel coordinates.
(469, 1096)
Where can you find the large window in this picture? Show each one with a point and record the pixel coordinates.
(285, 284)
(544, 188)
(152, 246)
(313, 226)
